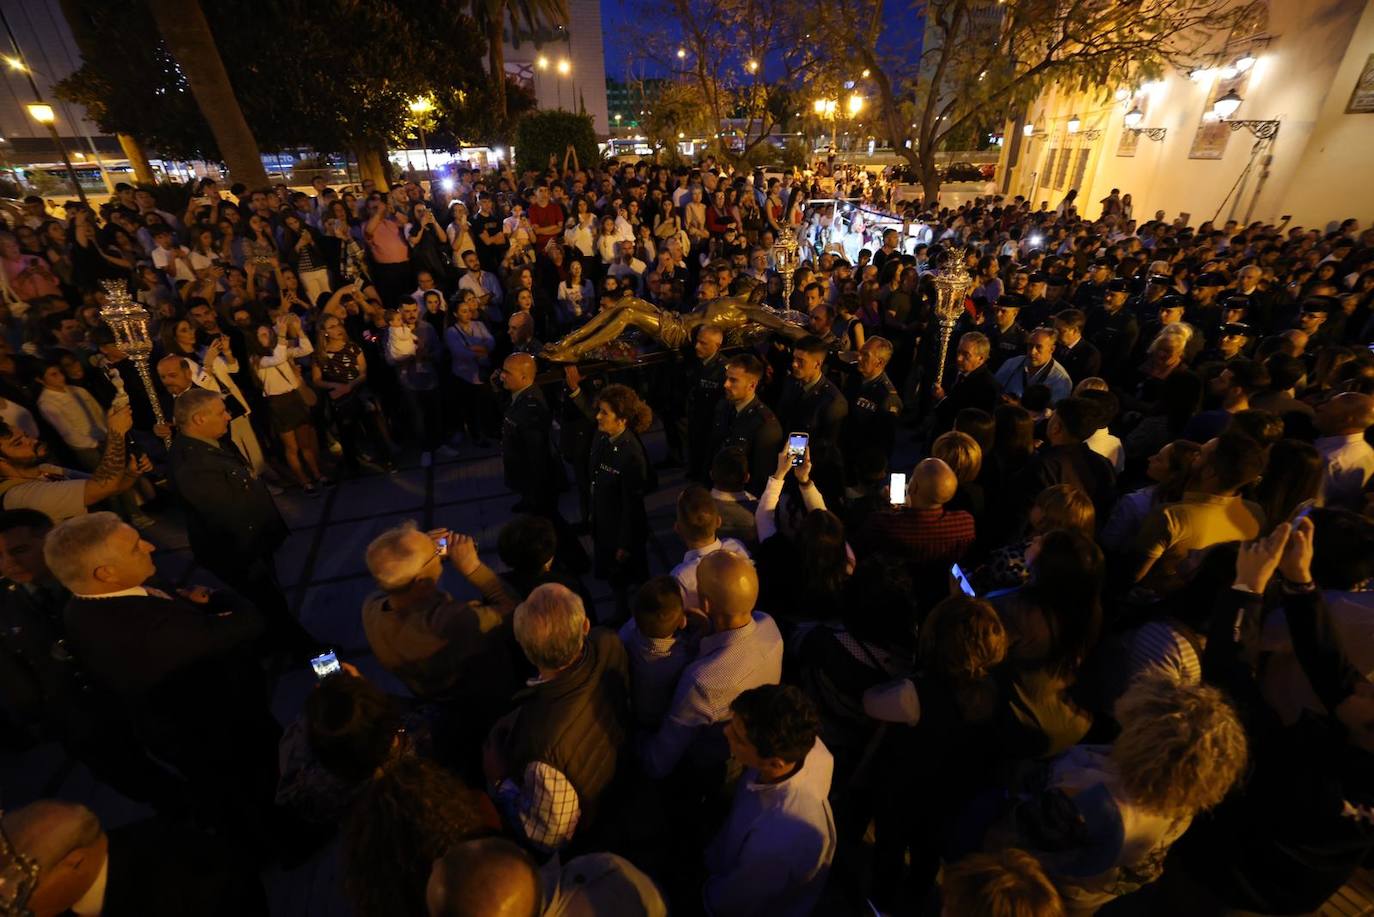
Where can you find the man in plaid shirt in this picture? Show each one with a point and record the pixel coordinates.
(923, 531)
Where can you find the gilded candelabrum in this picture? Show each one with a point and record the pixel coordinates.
(952, 285)
(786, 257)
(129, 321)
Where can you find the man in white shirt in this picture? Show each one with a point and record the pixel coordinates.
(179, 374)
(743, 651)
(627, 268)
(172, 259)
(773, 854)
(1342, 421)
(73, 413)
(697, 522)
(484, 286)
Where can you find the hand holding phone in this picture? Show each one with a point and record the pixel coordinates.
(796, 448)
(956, 573)
(896, 489)
(325, 664)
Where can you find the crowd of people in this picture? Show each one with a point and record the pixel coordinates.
(1078, 622)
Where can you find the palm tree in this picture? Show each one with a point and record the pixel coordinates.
(491, 18)
(190, 42)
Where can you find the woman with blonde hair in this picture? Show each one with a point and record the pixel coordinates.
(964, 457)
(1061, 506)
(1180, 751)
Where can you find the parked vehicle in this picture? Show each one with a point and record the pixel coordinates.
(963, 171)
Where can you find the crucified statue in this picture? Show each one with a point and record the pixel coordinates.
(671, 329)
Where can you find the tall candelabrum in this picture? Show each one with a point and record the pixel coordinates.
(786, 257)
(129, 322)
(952, 285)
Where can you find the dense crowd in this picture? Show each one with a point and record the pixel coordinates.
(1099, 642)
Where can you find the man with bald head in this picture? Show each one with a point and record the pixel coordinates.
(1342, 420)
(526, 451)
(744, 650)
(922, 530)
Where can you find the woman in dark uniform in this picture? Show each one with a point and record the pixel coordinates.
(619, 470)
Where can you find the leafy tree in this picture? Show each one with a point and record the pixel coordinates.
(741, 59)
(983, 60)
(491, 16)
(545, 135)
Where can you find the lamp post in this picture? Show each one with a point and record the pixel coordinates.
(564, 68)
(40, 110)
(129, 322)
(1132, 121)
(952, 283)
(420, 108)
(1226, 106)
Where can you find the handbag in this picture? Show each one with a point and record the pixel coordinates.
(308, 394)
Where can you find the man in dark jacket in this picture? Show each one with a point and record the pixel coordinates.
(1066, 459)
(704, 386)
(177, 664)
(234, 527)
(874, 405)
(526, 452)
(811, 404)
(1079, 357)
(551, 758)
(1114, 329)
(744, 422)
(973, 387)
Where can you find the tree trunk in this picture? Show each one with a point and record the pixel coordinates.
(496, 58)
(138, 160)
(370, 166)
(930, 184)
(188, 37)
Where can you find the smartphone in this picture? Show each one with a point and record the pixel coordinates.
(896, 489)
(325, 664)
(796, 447)
(443, 544)
(1302, 510)
(958, 573)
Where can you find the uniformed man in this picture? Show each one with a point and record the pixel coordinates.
(744, 422)
(1169, 310)
(1006, 334)
(233, 525)
(811, 404)
(705, 380)
(1093, 290)
(1113, 330)
(874, 405)
(526, 432)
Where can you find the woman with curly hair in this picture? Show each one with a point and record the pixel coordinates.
(619, 473)
(1181, 749)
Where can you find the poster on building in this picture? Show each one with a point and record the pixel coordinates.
(1212, 134)
(1362, 99)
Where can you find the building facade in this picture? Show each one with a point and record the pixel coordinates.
(565, 67)
(1304, 72)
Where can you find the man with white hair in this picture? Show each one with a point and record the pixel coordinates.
(549, 760)
(176, 663)
(440, 647)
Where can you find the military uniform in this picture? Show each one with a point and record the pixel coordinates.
(819, 411)
(756, 431)
(1080, 361)
(705, 384)
(874, 407)
(1006, 344)
(619, 472)
(526, 451)
(1114, 335)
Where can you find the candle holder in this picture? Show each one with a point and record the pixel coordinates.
(952, 285)
(786, 257)
(129, 321)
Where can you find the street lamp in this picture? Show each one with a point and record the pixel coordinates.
(1073, 124)
(752, 66)
(1134, 117)
(41, 112)
(1226, 106)
(856, 105)
(542, 62)
(419, 108)
(564, 67)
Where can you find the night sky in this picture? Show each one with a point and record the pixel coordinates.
(618, 17)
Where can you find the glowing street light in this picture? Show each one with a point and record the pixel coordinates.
(752, 66)
(1226, 106)
(419, 107)
(564, 68)
(856, 104)
(542, 62)
(15, 63)
(41, 112)
(1134, 117)
(681, 53)
(1028, 130)
(865, 74)
(1074, 124)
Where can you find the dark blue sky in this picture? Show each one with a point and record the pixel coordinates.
(619, 26)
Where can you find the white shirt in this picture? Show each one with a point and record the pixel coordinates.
(18, 417)
(773, 854)
(686, 572)
(75, 415)
(275, 371)
(1349, 465)
(1109, 447)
